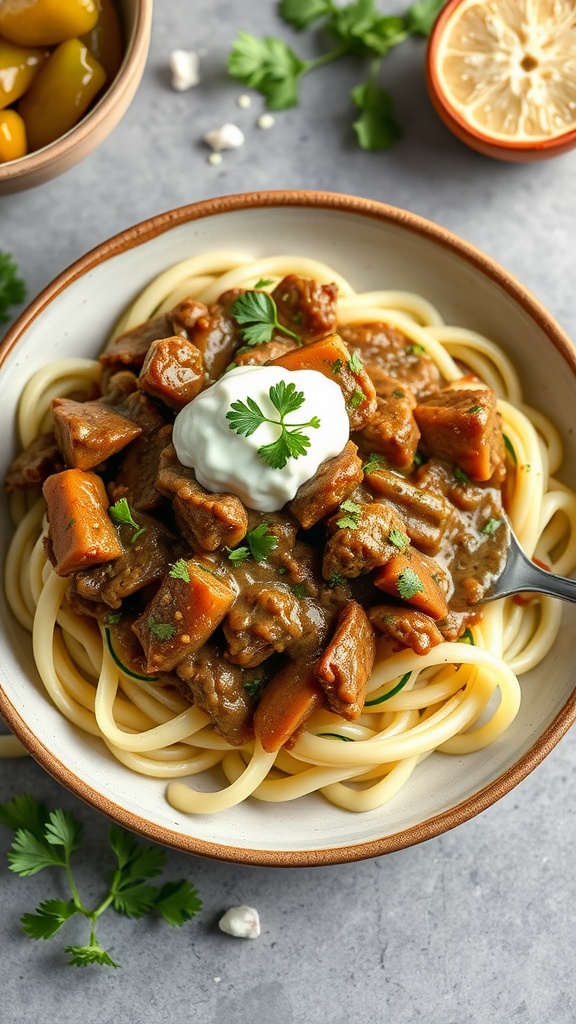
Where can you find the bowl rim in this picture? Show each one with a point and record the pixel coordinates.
(122, 86)
(383, 213)
(483, 142)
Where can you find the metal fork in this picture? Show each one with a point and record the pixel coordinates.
(520, 574)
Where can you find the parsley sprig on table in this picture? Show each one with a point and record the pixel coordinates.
(357, 29)
(47, 839)
(246, 417)
(12, 287)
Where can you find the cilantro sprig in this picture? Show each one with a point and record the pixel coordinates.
(246, 417)
(47, 839)
(356, 29)
(257, 314)
(12, 287)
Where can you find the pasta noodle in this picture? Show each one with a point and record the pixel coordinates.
(458, 698)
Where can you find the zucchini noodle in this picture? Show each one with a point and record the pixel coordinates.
(458, 698)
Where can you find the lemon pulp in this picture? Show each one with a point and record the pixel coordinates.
(508, 67)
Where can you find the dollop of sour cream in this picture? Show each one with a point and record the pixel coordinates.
(225, 461)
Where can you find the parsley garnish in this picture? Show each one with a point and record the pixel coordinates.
(355, 364)
(359, 30)
(112, 618)
(335, 579)
(475, 408)
(461, 476)
(12, 287)
(415, 349)
(409, 584)
(120, 514)
(399, 539)
(257, 314)
(356, 398)
(180, 571)
(299, 590)
(418, 459)
(49, 838)
(70, 524)
(397, 393)
(491, 526)
(353, 513)
(261, 541)
(373, 463)
(162, 630)
(253, 687)
(246, 417)
(336, 366)
(264, 282)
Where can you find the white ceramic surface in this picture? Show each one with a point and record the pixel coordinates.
(375, 246)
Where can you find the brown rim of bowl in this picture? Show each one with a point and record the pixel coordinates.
(439, 823)
(485, 143)
(124, 85)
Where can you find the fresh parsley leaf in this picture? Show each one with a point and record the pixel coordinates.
(336, 366)
(134, 899)
(461, 476)
(420, 17)
(373, 463)
(397, 393)
(268, 65)
(178, 902)
(356, 398)
(62, 829)
(355, 364)
(299, 590)
(161, 630)
(377, 128)
(264, 282)
(135, 861)
(350, 519)
(491, 526)
(257, 314)
(246, 417)
(24, 812)
(30, 855)
(415, 349)
(261, 541)
(254, 687)
(238, 555)
(409, 584)
(302, 13)
(475, 408)
(49, 918)
(335, 579)
(399, 539)
(81, 956)
(12, 287)
(180, 571)
(112, 618)
(120, 514)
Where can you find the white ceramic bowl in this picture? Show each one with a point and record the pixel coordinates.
(375, 246)
(52, 160)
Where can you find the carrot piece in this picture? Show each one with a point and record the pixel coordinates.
(81, 532)
(414, 577)
(290, 697)
(182, 615)
(331, 357)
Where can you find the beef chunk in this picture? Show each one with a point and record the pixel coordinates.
(386, 348)
(306, 307)
(129, 350)
(217, 687)
(346, 664)
(142, 562)
(182, 616)
(88, 433)
(173, 371)
(266, 618)
(209, 521)
(33, 465)
(350, 552)
(392, 431)
(267, 352)
(217, 335)
(136, 475)
(426, 515)
(334, 480)
(407, 626)
(462, 425)
(80, 530)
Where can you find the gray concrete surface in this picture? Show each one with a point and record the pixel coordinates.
(475, 927)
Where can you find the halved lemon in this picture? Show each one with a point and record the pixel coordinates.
(502, 75)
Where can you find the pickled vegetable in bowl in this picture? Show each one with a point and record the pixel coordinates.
(56, 58)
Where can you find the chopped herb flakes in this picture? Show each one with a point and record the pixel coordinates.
(350, 519)
(355, 364)
(336, 366)
(399, 539)
(491, 526)
(161, 630)
(460, 475)
(409, 584)
(415, 349)
(373, 463)
(180, 571)
(475, 408)
(254, 687)
(299, 590)
(356, 398)
(261, 541)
